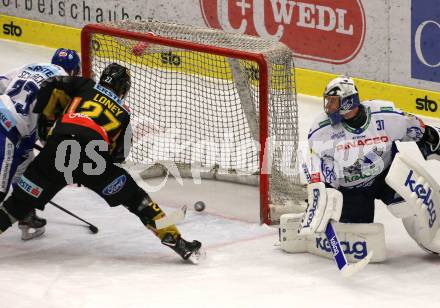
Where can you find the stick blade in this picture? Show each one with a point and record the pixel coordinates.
(171, 219)
(351, 269)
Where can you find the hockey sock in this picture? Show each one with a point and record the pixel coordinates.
(160, 233)
(6, 219)
(148, 212)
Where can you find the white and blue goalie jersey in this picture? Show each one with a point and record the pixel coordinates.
(342, 156)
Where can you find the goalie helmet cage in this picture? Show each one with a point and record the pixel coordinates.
(213, 104)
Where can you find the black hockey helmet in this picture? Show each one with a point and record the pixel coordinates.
(117, 78)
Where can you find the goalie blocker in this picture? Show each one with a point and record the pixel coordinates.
(306, 232)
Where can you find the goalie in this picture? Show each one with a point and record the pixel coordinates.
(353, 146)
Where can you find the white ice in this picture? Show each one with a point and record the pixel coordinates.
(124, 265)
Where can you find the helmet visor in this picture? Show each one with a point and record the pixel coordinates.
(332, 103)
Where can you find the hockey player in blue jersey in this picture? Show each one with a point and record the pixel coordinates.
(18, 91)
(352, 146)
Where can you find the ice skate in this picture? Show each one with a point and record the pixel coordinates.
(191, 251)
(32, 226)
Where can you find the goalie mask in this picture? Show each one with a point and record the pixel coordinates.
(340, 97)
(117, 78)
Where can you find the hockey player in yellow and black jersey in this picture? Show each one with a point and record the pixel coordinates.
(97, 104)
(82, 146)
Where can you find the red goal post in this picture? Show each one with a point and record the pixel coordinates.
(212, 87)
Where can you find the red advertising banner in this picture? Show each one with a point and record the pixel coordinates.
(326, 30)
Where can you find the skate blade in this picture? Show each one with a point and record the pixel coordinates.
(197, 256)
(28, 233)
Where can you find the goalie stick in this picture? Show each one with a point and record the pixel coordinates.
(344, 267)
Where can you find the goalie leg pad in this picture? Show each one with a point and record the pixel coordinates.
(357, 240)
(410, 177)
(400, 209)
(290, 240)
(416, 228)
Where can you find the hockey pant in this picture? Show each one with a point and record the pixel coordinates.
(358, 203)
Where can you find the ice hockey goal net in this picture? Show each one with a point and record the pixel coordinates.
(213, 104)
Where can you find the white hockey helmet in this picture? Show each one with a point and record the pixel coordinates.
(343, 90)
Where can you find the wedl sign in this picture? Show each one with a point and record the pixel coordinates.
(331, 31)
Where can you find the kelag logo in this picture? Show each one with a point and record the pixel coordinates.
(357, 249)
(328, 31)
(425, 40)
(424, 195)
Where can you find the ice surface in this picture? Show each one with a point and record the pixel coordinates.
(124, 265)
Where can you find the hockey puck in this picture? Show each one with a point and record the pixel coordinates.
(199, 206)
(93, 229)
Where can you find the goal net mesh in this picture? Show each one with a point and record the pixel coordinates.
(199, 109)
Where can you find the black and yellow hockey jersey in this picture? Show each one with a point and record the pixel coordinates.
(91, 110)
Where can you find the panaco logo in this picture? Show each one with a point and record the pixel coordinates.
(329, 31)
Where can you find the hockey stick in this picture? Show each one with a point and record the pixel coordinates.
(38, 147)
(161, 223)
(166, 221)
(338, 254)
(92, 228)
(344, 267)
(172, 219)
